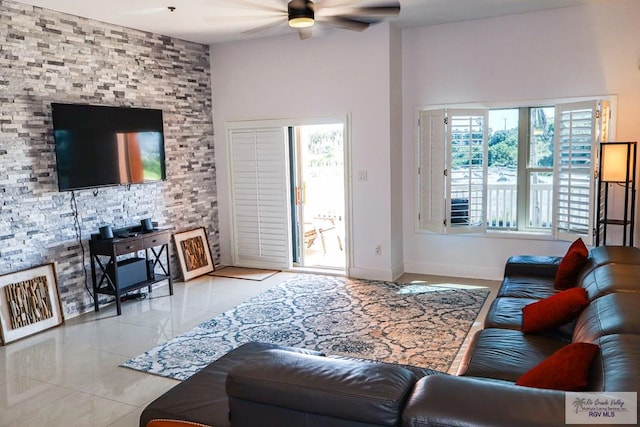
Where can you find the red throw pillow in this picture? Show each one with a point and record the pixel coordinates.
(572, 262)
(553, 311)
(567, 369)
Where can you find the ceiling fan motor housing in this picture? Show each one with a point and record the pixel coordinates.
(301, 13)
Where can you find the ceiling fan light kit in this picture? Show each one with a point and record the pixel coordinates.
(301, 13)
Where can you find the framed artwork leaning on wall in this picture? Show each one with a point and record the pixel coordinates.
(29, 302)
(194, 256)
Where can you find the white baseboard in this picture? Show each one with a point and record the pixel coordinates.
(455, 270)
(434, 269)
(371, 274)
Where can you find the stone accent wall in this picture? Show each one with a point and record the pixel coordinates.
(46, 57)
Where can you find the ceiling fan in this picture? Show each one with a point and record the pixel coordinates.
(303, 15)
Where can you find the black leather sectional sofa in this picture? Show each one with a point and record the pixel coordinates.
(266, 385)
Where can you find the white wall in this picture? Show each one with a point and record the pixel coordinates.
(395, 138)
(579, 51)
(338, 73)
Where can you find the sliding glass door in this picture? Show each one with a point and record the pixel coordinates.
(288, 193)
(318, 195)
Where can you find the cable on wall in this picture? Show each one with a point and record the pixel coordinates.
(78, 230)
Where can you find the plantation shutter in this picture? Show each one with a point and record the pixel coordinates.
(467, 135)
(431, 170)
(259, 197)
(576, 142)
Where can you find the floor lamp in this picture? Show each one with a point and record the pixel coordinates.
(617, 166)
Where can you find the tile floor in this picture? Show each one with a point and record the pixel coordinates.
(69, 376)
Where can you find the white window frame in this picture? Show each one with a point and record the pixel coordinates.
(434, 216)
(524, 180)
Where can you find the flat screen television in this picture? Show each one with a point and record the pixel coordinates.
(99, 145)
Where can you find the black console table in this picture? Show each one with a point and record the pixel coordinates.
(117, 274)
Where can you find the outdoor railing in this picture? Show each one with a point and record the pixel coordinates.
(502, 202)
(502, 206)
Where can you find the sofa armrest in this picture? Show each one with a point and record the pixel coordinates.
(284, 386)
(532, 265)
(173, 423)
(466, 401)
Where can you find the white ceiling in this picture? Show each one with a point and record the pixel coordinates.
(216, 21)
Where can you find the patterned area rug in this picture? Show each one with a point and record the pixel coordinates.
(409, 324)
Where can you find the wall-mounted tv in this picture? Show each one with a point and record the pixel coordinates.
(100, 145)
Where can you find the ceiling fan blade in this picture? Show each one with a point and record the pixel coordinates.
(259, 6)
(374, 11)
(265, 27)
(345, 23)
(304, 33)
(218, 18)
(146, 11)
(334, 3)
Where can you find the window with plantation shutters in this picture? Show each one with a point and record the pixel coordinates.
(259, 197)
(511, 169)
(466, 170)
(577, 136)
(452, 170)
(431, 170)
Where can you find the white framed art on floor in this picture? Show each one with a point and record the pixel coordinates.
(29, 302)
(194, 257)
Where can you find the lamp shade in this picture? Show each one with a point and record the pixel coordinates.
(616, 160)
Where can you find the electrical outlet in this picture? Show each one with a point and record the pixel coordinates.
(378, 249)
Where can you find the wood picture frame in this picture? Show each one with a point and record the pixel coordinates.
(29, 302)
(194, 256)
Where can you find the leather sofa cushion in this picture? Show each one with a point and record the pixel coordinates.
(619, 254)
(604, 255)
(370, 393)
(505, 354)
(611, 278)
(536, 287)
(174, 423)
(506, 313)
(617, 366)
(611, 314)
(418, 371)
(464, 401)
(534, 271)
(608, 269)
(202, 397)
(532, 265)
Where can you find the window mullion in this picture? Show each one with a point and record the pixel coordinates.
(523, 162)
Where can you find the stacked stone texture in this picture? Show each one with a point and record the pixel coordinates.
(46, 57)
